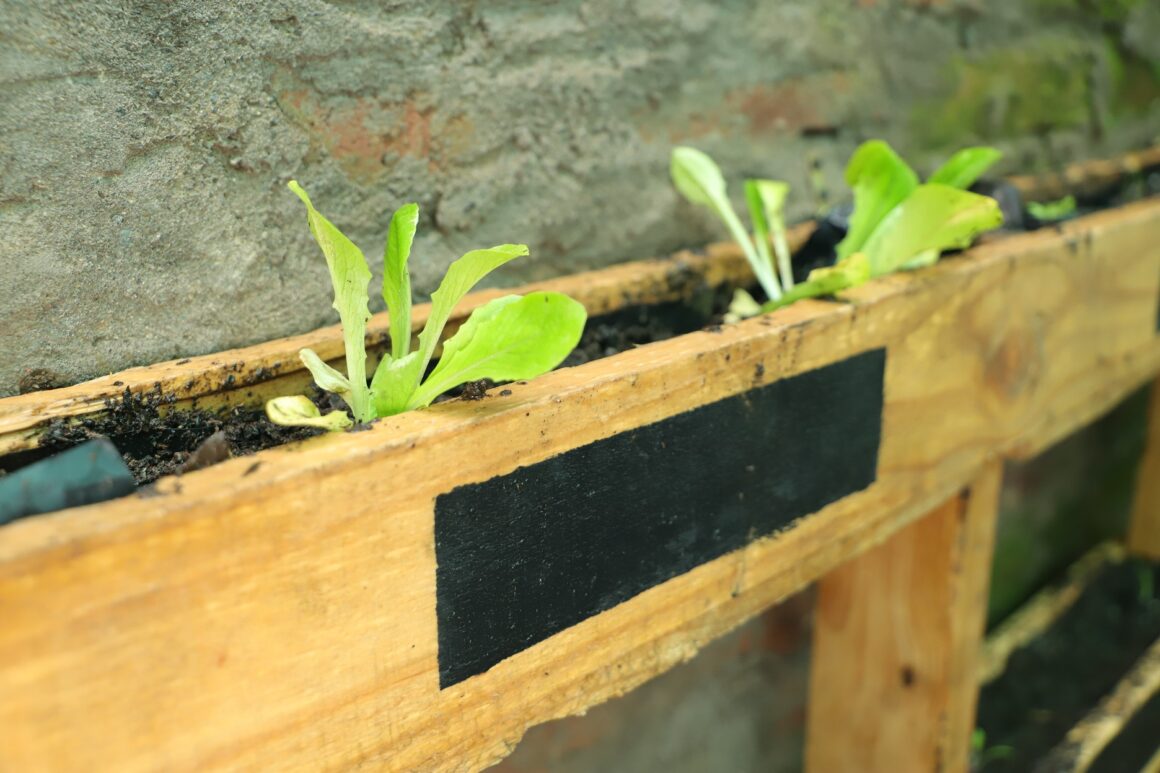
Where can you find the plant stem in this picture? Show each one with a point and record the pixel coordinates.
(763, 270)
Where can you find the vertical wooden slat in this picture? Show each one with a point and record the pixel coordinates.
(1144, 528)
(896, 643)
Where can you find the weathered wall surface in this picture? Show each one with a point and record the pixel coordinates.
(145, 146)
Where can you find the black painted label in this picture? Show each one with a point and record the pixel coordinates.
(526, 555)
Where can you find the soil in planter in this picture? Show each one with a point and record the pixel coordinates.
(1053, 682)
(157, 442)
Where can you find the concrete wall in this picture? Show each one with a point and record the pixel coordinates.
(145, 145)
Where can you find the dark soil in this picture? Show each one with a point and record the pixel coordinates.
(1053, 682)
(157, 442)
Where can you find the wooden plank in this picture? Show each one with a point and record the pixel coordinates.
(1086, 177)
(1093, 733)
(1042, 610)
(281, 607)
(1144, 527)
(897, 633)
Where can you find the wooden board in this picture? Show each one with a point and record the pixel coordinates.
(896, 642)
(280, 609)
(1144, 527)
(250, 375)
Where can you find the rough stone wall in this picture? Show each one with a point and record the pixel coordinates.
(145, 145)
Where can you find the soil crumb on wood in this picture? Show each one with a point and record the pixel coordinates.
(157, 442)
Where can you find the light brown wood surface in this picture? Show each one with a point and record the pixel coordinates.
(277, 611)
(897, 632)
(1144, 525)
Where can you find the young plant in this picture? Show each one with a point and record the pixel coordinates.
(899, 223)
(699, 180)
(508, 339)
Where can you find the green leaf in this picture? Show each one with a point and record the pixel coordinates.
(511, 338)
(847, 273)
(298, 411)
(325, 376)
(698, 179)
(880, 180)
(766, 201)
(394, 383)
(934, 217)
(461, 276)
(965, 167)
(350, 277)
(742, 306)
(397, 279)
(1047, 211)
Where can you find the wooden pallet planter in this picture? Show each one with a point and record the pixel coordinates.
(415, 596)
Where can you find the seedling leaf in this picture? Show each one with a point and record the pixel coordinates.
(350, 277)
(397, 279)
(934, 217)
(766, 201)
(847, 273)
(1047, 211)
(965, 167)
(299, 411)
(325, 376)
(508, 339)
(881, 181)
(462, 275)
(698, 179)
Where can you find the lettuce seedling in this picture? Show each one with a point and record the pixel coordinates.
(508, 339)
(699, 180)
(900, 224)
(1051, 211)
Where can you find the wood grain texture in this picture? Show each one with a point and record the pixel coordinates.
(897, 632)
(278, 610)
(1144, 526)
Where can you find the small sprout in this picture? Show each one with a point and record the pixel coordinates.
(510, 338)
(699, 180)
(299, 411)
(766, 200)
(1050, 211)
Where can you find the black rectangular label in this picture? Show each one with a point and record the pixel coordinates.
(523, 556)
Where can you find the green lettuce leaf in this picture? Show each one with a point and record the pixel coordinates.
(508, 339)
(766, 202)
(350, 277)
(397, 279)
(965, 167)
(881, 181)
(698, 178)
(846, 273)
(325, 376)
(934, 217)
